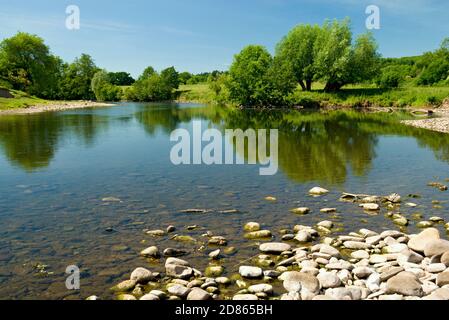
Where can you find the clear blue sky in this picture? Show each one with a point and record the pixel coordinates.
(203, 35)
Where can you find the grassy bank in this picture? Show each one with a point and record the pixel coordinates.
(19, 100)
(371, 96)
(350, 96)
(195, 93)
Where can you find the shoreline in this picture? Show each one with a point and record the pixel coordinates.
(438, 124)
(55, 106)
(304, 263)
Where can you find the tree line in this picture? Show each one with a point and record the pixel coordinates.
(26, 64)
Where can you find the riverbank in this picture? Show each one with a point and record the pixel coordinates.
(50, 106)
(306, 263)
(439, 123)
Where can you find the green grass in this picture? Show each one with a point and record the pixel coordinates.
(351, 96)
(195, 93)
(20, 100)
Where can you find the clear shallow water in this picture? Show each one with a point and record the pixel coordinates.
(55, 168)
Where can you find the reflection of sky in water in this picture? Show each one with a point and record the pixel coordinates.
(55, 168)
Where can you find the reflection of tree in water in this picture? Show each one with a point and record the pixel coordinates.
(311, 147)
(170, 116)
(31, 141)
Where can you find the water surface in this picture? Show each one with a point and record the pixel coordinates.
(55, 169)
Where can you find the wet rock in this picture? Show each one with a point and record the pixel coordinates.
(111, 199)
(303, 236)
(328, 210)
(261, 288)
(303, 210)
(250, 272)
(173, 252)
(436, 247)
(178, 268)
(326, 224)
(370, 206)
(329, 280)
(424, 224)
(223, 281)
(419, 242)
(151, 252)
(245, 297)
(92, 298)
(218, 241)
(436, 219)
(158, 293)
(274, 247)
(178, 290)
(443, 279)
(142, 275)
(318, 191)
(259, 234)
(182, 238)
(405, 283)
(215, 254)
(124, 286)
(198, 294)
(252, 226)
(401, 221)
(271, 199)
(126, 297)
(171, 229)
(393, 198)
(156, 233)
(214, 271)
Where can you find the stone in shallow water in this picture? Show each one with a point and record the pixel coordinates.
(149, 297)
(142, 275)
(394, 198)
(259, 234)
(214, 271)
(303, 236)
(215, 254)
(302, 210)
(250, 272)
(173, 252)
(328, 210)
(258, 288)
(156, 233)
(370, 206)
(424, 224)
(252, 226)
(274, 247)
(318, 191)
(326, 224)
(151, 252)
(124, 286)
(356, 245)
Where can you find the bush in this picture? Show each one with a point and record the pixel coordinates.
(103, 89)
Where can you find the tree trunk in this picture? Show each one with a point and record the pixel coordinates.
(303, 86)
(309, 85)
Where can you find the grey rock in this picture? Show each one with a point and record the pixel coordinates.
(250, 272)
(198, 294)
(178, 290)
(142, 275)
(274, 247)
(405, 283)
(329, 280)
(436, 247)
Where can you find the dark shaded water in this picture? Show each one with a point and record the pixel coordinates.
(55, 169)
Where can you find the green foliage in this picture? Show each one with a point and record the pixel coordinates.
(296, 51)
(154, 87)
(120, 78)
(184, 77)
(27, 64)
(249, 76)
(103, 89)
(76, 80)
(171, 77)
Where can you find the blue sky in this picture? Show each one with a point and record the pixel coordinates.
(203, 35)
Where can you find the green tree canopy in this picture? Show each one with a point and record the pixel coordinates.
(296, 51)
(27, 64)
(171, 77)
(77, 78)
(120, 78)
(103, 89)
